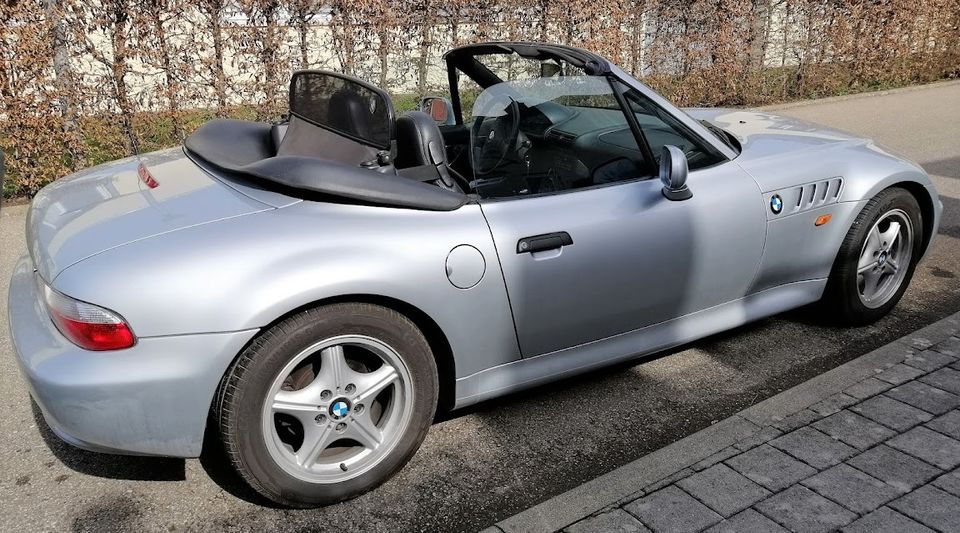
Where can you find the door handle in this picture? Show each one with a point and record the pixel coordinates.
(547, 241)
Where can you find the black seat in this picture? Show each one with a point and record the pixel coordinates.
(421, 152)
(419, 141)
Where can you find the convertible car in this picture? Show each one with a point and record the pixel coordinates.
(313, 290)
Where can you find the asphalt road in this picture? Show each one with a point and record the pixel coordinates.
(482, 465)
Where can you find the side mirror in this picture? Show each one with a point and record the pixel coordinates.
(673, 173)
(440, 109)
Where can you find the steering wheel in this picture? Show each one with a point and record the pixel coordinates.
(500, 143)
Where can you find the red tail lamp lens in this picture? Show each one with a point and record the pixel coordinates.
(86, 325)
(146, 177)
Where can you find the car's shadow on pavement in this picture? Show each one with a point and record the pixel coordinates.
(600, 375)
(217, 465)
(143, 468)
(137, 468)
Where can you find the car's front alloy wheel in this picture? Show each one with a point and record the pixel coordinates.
(876, 259)
(328, 403)
(884, 258)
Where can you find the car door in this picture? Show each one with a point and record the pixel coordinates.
(632, 257)
(583, 264)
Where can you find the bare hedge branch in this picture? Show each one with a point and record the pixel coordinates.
(85, 82)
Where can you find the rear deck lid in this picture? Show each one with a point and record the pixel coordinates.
(125, 201)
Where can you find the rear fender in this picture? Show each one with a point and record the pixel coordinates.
(246, 272)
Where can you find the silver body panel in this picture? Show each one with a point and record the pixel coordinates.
(203, 262)
(637, 258)
(108, 206)
(144, 400)
(246, 272)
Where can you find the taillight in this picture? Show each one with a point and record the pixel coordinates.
(86, 325)
(146, 177)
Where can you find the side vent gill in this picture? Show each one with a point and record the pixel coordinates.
(809, 196)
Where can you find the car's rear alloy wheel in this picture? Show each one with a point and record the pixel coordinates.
(328, 403)
(876, 259)
(337, 408)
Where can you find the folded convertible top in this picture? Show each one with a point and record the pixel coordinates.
(246, 148)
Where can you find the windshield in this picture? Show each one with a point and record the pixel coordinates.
(577, 91)
(510, 67)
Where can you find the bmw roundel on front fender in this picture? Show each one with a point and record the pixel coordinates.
(776, 204)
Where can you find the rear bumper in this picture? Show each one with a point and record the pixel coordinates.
(151, 399)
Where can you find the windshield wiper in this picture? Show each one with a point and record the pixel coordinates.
(720, 134)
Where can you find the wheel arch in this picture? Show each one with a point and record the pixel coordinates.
(920, 193)
(927, 210)
(439, 345)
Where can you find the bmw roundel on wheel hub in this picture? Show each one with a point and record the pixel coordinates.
(340, 409)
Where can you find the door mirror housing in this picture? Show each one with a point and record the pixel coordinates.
(673, 173)
(440, 110)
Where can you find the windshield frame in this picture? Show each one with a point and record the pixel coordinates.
(462, 61)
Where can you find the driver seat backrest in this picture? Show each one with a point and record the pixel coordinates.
(419, 141)
(421, 150)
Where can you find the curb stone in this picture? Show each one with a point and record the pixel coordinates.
(635, 479)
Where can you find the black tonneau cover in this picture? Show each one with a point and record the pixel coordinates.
(246, 148)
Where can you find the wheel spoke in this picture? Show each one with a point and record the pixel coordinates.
(316, 438)
(362, 429)
(333, 367)
(864, 268)
(871, 280)
(301, 404)
(871, 249)
(889, 237)
(890, 267)
(369, 385)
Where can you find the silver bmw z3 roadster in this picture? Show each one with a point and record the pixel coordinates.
(315, 289)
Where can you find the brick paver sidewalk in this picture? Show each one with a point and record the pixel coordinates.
(880, 456)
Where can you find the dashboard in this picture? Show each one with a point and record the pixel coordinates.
(567, 147)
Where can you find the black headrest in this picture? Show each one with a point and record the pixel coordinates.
(419, 141)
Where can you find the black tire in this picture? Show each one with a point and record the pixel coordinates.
(247, 381)
(841, 299)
